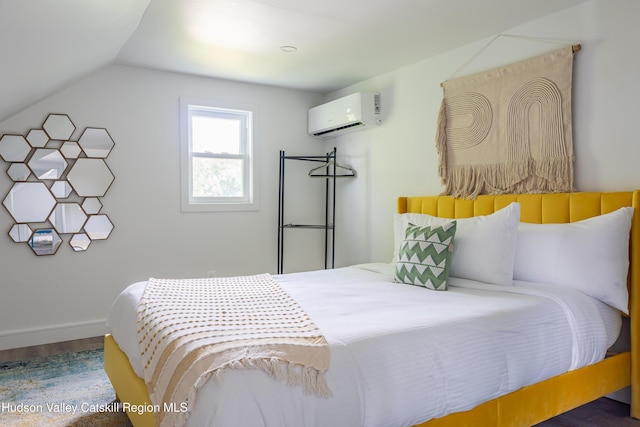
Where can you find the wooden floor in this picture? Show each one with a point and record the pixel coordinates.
(600, 413)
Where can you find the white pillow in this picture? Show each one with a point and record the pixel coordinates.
(591, 255)
(484, 246)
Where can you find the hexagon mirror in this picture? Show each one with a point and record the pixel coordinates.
(20, 233)
(67, 218)
(45, 241)
(90, 177)
(14, 148)
(70, 150)
(61, 189)
(58, 126)
(98, 227)
(96, 143)
(29, 202)
(92, 205)
(37, 138)
(18, 172)
(47, 163)
(80, 242)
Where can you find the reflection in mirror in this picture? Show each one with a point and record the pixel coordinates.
(14, 148)
(61, 189)
(45, 242)
(58, 126)
(19, 172)
(80, 242)
(96, 143)
(92, 205)
(47, 163)
(67, 218)
(98, 227)
(29, 202)
(20, 233)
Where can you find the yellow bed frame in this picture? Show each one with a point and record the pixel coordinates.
(528, 405)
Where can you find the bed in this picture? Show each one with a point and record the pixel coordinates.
(510, 378)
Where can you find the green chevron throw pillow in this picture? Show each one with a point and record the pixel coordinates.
(425, 256)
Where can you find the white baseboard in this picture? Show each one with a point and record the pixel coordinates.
(58, 333)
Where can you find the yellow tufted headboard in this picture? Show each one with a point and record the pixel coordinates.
(556, 208)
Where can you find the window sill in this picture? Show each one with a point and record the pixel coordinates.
(219, 207)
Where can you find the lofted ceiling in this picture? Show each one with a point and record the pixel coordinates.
(46, 45)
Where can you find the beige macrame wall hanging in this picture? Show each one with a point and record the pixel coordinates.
(508, 130)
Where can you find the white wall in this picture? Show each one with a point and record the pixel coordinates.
(399, 158)
(67, 295)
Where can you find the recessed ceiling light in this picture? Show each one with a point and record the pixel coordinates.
(288, 48)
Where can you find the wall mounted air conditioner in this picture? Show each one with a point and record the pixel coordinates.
(353, 112)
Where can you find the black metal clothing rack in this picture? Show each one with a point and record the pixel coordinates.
(329, 173)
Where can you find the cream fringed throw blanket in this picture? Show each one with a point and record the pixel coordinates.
(508, 130)
(190, 330)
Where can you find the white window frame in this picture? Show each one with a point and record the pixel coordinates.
(189, 203)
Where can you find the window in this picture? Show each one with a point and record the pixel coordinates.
(217, 158)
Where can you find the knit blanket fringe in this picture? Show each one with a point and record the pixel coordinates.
(311, 380)
(193, 330)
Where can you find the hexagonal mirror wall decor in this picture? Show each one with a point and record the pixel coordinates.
(70, 150)
(98, 227)
(57, 185)
(67, 218)
(92, 205)
(18, 172)
(96, 143)
(20, 233)
(29, 202)
(14, 148)
(90, 177)
(80, 242)
(61, 190)
(37, 138)
(45, 242)
(58, 126)
(47, 163)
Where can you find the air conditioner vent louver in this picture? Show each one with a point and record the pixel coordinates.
(338, 129)
(357, 111)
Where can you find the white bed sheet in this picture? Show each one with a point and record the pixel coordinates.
(401, 354)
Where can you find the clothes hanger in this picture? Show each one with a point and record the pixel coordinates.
(350, 172)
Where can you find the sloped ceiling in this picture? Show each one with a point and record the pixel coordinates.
(46, 45)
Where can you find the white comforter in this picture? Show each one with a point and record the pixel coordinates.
(402, 354)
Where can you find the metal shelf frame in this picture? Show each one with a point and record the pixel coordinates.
(329, 159)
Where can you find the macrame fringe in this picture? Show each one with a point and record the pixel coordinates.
(549, 175)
